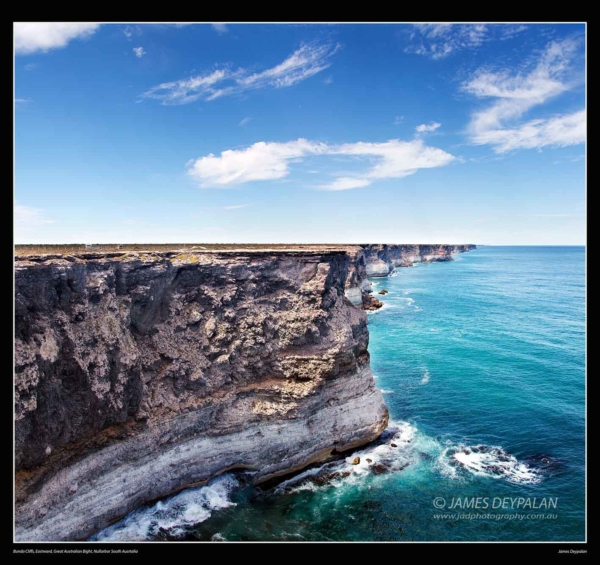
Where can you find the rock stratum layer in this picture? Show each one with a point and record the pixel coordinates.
(380, 260)
(138, 374)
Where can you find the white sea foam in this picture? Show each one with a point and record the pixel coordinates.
(426, 377)
(489, 461)
(385, 306)
(379, 457)
(386, 391)
(172, 515)
(299, 480)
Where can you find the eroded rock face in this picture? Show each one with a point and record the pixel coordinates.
(379, 260)
(369, 302)
(140, 374)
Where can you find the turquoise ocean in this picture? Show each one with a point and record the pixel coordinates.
(482, 365)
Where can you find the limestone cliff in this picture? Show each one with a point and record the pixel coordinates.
(371, 260)
(139, 374)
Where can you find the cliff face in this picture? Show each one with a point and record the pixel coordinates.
(380, 260)
(139, 374)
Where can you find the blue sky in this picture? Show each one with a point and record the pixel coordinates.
(300, 133)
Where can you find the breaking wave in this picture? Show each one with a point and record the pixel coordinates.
(489, 461)
(170, 518)
(397, 448)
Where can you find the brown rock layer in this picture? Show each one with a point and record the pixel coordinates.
(139, 374)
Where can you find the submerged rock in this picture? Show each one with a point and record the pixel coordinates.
(379, 469)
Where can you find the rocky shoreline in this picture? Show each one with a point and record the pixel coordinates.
(380, 261)
(140, 373)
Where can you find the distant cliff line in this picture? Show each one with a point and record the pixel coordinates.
(140, 373)
(367, 260)
(380, 260)
(77, 248)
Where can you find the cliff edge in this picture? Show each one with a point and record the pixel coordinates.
(140, 373)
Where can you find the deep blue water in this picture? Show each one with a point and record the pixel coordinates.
(489, 351)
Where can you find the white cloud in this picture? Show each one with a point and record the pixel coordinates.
(139, 52)
(424, 128)
(236, 207)
(438, 41)
(398, 120)
(20, 101)
(516, 93)
(397, 158)
(305, 62)
(220, 28)
(30, 66)
(261, 161)
(560, 131)
(33, 37)
(508, 31)
(244, 121)
(310, 59)
(130, 31)
(270, 161)
(328, 80)
(345, 183)
(188, 90)
(27, 218)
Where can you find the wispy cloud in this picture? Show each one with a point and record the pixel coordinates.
(27, 218)
(35, 37)
(139, 52)
(236, 207)
(328, 80)
(270, 161)
(510, 30)
(21, 101)
(398, 120)
(30, 66)
(220, 28)
(244, 121)
(345, 183)
(560, 131)
(305, 62)
(130, 31)
(516, 93)
(438, 41)
(426, 128)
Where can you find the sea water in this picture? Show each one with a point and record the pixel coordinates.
(482, 365)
